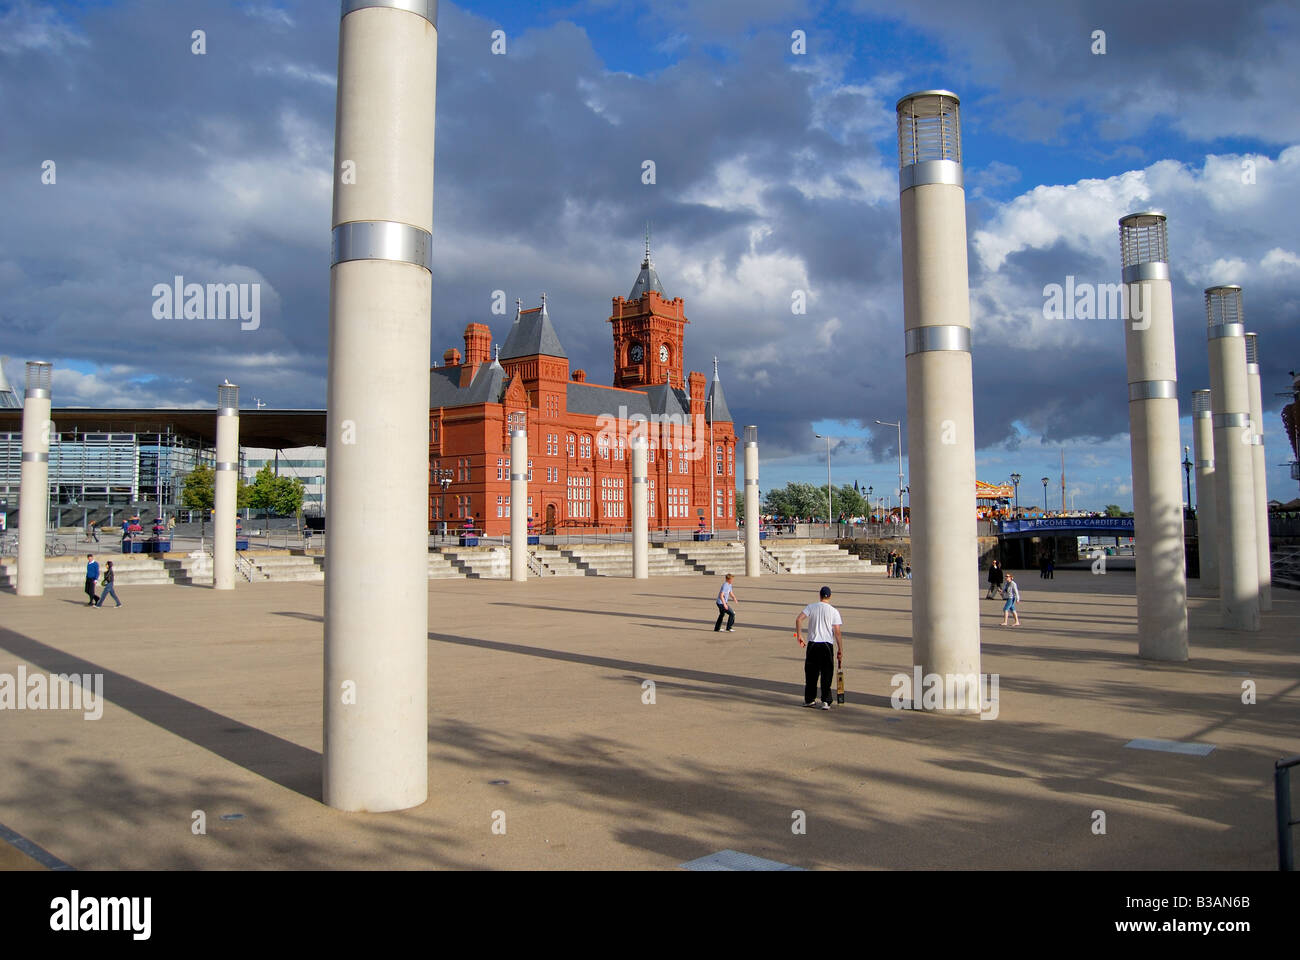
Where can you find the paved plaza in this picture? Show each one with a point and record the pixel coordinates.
(537, 725)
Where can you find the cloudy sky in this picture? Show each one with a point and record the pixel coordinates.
(776, 172)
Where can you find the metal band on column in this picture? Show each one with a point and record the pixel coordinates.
(1226, 330)
(1151, 270)
(1231, 420)
(36, 457)
(37, 393)
(925, 339)
(422, 8)
(381, 240)
(1153, 390)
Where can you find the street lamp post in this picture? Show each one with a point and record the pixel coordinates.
(1015, 482)
(1187, 472)
(444, 480)
(827, 438)
(869, 503)
(1046, 481)
(899, 427)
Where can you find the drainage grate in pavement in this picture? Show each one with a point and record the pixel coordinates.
(1171, 746)
(732, 860)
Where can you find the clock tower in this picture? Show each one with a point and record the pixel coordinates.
(649, 333)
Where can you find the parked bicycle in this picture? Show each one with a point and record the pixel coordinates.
(55, 548)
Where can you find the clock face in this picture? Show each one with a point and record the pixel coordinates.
(663, 353)
(635, 353)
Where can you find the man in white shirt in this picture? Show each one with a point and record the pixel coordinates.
(823, 632)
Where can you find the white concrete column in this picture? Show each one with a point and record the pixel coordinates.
(940, 405)
(1207, 524)
(225, 506)
(518, 505)
(640, 510)
(376, 579)
(34, 492)
(1259, 468)
(753, 522)
(1155, 438)
(1234, 481)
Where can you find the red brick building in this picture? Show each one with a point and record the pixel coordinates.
(580, 433)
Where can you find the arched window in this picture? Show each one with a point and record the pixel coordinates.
(569, 445)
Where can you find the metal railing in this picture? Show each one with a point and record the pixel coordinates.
(1282, 798)
(535, 566)
(245, 567)
(768, 562)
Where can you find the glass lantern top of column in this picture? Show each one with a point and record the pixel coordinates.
(39, 374)
(1143, 238)
(228, 396)
(1252, 348)
(1223, 305)
(929, 127)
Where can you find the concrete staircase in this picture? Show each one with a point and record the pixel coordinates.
(615, 560)
(188, 570)
(129, 570)
(286, 568)
(712, 559)
(556, 564)
(485, 563)
(440, 568)
(827, 558)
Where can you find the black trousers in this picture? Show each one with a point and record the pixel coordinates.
(819, 662)
(724, 612)
(90, 589)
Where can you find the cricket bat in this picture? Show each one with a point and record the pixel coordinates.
(839, 685)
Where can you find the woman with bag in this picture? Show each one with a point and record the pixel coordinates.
(107, 583)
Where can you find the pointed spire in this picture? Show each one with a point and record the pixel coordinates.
(646, 263)
(519, 308)
(715, 368)
(543, 302)
(496, 353)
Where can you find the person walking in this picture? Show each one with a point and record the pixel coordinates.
(898, 566)
(726, 597)
(108, 586)
(995, 578)
(92, 576)
(824, 624)
(1012, 594)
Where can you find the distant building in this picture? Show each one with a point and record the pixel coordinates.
(305, 463)
(579, 433)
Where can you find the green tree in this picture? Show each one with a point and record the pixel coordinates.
(1113, 510)
(796, 500)
(279, 496)
(198, 492)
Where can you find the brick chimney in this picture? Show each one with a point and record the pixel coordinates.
(478, 347)
(451, 358)
(579, 376)
(699, 395)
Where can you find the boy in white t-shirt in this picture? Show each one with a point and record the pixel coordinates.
(823, 632)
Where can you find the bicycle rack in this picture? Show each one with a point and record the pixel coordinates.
(1282, 797)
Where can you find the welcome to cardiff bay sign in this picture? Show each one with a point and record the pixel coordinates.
(1111, 526)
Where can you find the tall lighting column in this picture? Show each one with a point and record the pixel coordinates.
(940, 396)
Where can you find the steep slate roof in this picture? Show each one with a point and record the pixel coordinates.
(488, 385)
(667, 401)
(594, 401)
(716, 411)
(647, 279)
(532, 334)
(444, 387)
